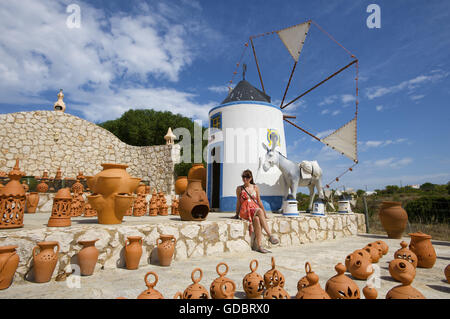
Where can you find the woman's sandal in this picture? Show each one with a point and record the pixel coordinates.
(273, 240)
(263, 250)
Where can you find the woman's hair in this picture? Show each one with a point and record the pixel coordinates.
(248, 172)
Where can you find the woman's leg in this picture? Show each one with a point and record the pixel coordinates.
(259, 213)
(257, 230)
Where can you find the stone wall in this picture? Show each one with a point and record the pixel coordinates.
(194, 239)
(47, 140)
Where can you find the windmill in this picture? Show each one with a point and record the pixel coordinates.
(342, 140)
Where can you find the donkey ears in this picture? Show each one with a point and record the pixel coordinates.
(265, 147)
(274, 139)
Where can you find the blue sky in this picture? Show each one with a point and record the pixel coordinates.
(180, 55)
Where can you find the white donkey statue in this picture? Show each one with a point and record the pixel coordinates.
(306, 173)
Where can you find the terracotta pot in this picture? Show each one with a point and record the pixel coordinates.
(375, 253)
(423, 248)
(42, 187)
(384, 247)
(12, 200)
(402, 270)
(404, 292)
(275, 291)
(32, 202)
(133, 252)
(340, 286)
(222, 287)
(194, 204)
(378, 247)
(166, 247)
(360, 267)
(150, 293)
(198, 171)
(393, 218)
(87, 257)
(9, 260)
(253, 283)
(360, 252)
(112, 190)
(61, 209)
(181, 185)
(313, 290)
(302, 283)
(370, 292)
(447, 273)
(77, 206)
(405, 253)
(195, 290)
(268, 276)
(77, 187)
(45, 261)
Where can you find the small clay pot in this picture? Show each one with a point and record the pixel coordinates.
(370, 292)
(360, 252)
(447, 273)
(393, 218)
(222, 287)
(384, 246)
(402, 270)
(378, 247)
(268, 277)
(133, 252)
(406, 273)
(276, 291)
(195, 290)
(45, 261)
(87, 257)
(360, 267)
(405, 253)
(150, 293)
(302, 283)
(375, 253)
(32, 202)
(9, 261)
(313, 290)
(181, 185)
(404, 292)
(166, 247)
(340, 286)
(253, 282)
(423, 248)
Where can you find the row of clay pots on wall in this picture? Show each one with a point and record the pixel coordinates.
(45, 257)
(156, 206)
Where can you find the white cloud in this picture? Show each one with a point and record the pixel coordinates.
(379, 108)
(219, 89)
(417, 97)
(336, 112)
(393, 162)
(326, 111)
(365, 145)
(347, 98)
(324, 133)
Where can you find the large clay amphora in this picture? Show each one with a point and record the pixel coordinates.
(133, 252)
(421, 245)
(393, 219)
(45, 261)
(32, 202)
(87, 257)
(9, 261)
(166, 247)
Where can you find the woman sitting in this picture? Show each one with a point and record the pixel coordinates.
(250, 207)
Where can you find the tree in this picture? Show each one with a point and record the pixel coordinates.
(427, 187)
(392, 189)
(360, 192)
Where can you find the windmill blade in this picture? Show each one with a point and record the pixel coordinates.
(344, 140)
(294, 38)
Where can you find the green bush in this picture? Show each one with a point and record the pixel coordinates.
(430, 209)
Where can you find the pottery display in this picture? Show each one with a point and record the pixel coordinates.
(340, 286)
(370, 292)
(393, 218)
(447, 273)
(87, 257)
(268, 276)
(405, 253)
(384, 247)
(150, 292)
(174, 206)
(61, 209)
(361, 252)
(32, 200)
(89, 211)
(133, 252)
(166, 247)
(193, 203)
(42, 187)
(375, 253)
(195, 290)
(253, 283)
(77, 206)
(45, 261)
(313, 290)
(77, 187)
(9, 261)
(12, 200)
(112, 190)
(401, 270)
(360, 267)
(222, 287)
(140, 205)
(198, 171)
(163, 208)
(276, 291)
(423, 248)
(140, 189)
(181, 185)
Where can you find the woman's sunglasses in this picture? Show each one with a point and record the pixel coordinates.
(246, 176)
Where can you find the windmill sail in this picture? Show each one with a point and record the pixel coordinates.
(294, 38)
(344, 140)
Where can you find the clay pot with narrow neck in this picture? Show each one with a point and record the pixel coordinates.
(276, 291)
(423, 248)
(181, 185)
(45, 261)
(268, 276)
(313, 290)
(166, 247)
(133, 252)
(87, 257)
(222, 287)
(150, 292)
(32, 202)
(405, 253)
(393, 218)
(9, 261)
(253, 282)
(195, 290)
(193, 203)
(340, 286)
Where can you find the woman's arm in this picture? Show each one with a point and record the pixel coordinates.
(238, 202)
(259, 201)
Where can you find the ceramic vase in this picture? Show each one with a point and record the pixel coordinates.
(423, 248)
(45, 261)
(9, 261)
(32, 202)
(166, 247)
(222, 287)
(193, 203)
(253, 282)
(87, 257)
(150, 292)
(181, 185)
(133, 252)
(393, 218)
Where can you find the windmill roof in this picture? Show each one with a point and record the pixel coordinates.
(244, 91)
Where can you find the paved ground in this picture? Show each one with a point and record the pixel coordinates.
(323, 256)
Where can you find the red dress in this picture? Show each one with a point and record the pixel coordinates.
(248, 207)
